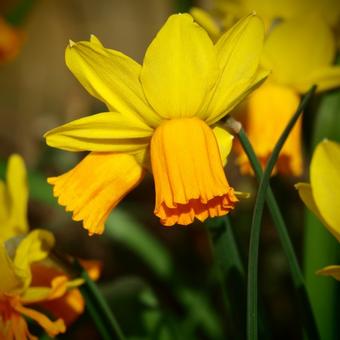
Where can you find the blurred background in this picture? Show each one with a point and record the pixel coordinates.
(161, 283)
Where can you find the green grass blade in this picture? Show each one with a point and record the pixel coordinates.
(308, 320)
(326, 125)
(98, 308)
(252, 291)
(230, 272)
(122, 227)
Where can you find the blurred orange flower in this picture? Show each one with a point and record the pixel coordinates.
(300, 53)
(10, 41)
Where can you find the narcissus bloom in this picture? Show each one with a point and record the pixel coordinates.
(28, 277)
(300, 53)
(320, 196)
(10, 41)
(164, 111)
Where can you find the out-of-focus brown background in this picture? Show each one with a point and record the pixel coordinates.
(37, 90)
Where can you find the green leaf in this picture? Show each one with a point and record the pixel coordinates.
(97, 307)
(252, 291)
(324, 304)
(122, 227)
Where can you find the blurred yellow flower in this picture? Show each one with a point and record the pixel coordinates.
(16, 257)
(321, 195)
(164, 111)
(10, 41)
(300, 53)
(270, 11)
(13, 200)
(27, 276)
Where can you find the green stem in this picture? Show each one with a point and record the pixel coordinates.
(98, 308)
(252, 298)
(232, 276)
(296, 273)
(231, 272)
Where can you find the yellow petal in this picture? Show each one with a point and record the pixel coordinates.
(58, 288)
(95, 41)
(69, 305)
(34, 247)
(325, 180)
(267, 113)
(291, 60)
(224, 140)
(10, 282)
(238, 54)
(106, 131)
(325, 78)
(18, 192)
(188, 173)
(51, 327)
(110, 76)
(306, 195)
(4, 205)
(205, 20)
(95, 186)
(179, 68)
(330, 271)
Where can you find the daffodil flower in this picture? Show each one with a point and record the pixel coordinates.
(28, 277)
(300, 53)
(164, 111)
(319, 196)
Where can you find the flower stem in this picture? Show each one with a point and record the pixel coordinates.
(264, 192)
(98, 308)
(230, 271)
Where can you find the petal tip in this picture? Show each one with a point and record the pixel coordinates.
(71, 43)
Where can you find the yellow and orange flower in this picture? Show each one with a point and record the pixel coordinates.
(28, 278)
(300, 51)
(321, 195)
(295, 66)
(164, 111)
